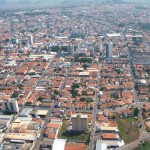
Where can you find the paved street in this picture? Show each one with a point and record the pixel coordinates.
(94, 112)
(48, 117)
(136, 98)
(144, 135)
(46, 120)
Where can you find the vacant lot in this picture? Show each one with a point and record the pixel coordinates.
(128, 129)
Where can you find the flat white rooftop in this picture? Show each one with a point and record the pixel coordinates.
(59, 144)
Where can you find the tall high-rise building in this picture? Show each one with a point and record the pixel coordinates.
(109, 50)
(31, 39)
(79, 122)
(10, 106)
(71, 49)
(101, 46)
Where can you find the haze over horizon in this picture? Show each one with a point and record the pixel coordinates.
(34, 3)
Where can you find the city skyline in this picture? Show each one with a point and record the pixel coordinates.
(75, 78)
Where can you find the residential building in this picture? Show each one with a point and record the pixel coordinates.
(10, 106)
(109, 50)
(79, 122)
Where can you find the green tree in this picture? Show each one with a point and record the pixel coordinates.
(136, 111)
(40, 99)
(55, 48)
(74, 92)
(81, 54)
(56, 92)
(136, 86)
(64, 48)
(84, 93)
(28, 103)
(75, 85)
(82, 99)
(118, 71)
(15, 95)
(24, 42)
(85, 60)
(53, 96)
(88, 100)
(85, 66)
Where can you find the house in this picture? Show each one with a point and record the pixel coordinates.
(109, 126)
(109, 136)
(146, 107)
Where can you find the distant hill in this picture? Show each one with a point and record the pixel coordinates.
(114, 1)
(138, 1)
(57, 2)
(11, 4)
(19, 4)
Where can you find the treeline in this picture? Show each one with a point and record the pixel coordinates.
(82, 58)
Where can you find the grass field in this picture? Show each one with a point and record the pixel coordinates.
(144, 146)
(82, 136)
(128, 129)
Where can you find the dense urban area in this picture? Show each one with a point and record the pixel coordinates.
(75, 78)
